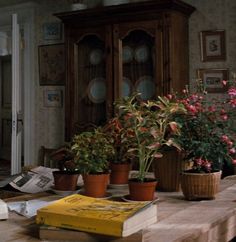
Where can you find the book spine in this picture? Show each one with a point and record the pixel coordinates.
(99, 226)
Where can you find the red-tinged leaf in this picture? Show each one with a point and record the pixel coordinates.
(158, 155)
(154, 146)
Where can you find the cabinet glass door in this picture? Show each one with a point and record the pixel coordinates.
(91, 88)
(138, 58)
(138, 61)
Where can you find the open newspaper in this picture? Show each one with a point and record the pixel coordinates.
(38, 179)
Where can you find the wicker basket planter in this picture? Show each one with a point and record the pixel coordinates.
(198, 186)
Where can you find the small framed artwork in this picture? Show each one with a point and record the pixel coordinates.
(212, 45)
(52, 31)
(53, 98)
(52, 65)
(212, 79)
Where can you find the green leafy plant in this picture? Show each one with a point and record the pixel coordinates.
(115, 131)
(148, 126)
(91, 151)
(207, 137)
(64, 159)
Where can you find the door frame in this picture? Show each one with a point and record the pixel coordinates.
(26, 13)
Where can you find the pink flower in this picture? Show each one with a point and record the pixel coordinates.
(234, 162)
(230, 143)
(192, 109)
(224, 82)
(194, 97)
(232, 151)
(232, 91)
(222, 111)
(232, 102)
(207, 165)
(211, 109)
(198, 162)
(224, 117)
(169, 96)
(225, 138)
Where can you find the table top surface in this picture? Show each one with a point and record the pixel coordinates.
(178, 219)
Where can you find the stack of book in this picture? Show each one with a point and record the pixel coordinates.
(73, 215)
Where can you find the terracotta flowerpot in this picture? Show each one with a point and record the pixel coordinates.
(95, 185)
(167, 170)
(198, 186)
(65, 181)
(142, 191)
(120, 173)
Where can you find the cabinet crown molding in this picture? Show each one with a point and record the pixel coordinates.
(124, 12)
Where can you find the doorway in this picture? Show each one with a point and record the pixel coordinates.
(25, 14)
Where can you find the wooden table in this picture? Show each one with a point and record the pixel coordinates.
(178, 220)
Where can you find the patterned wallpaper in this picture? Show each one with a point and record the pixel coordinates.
(210, 15)
(49, 126)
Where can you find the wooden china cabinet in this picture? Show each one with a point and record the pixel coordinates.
(114, 50)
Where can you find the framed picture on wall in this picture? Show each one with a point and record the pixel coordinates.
(52, 31)
(53, 98)
(51, 65)
(213, 45)
(212, 79)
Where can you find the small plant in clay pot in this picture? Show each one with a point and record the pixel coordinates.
(120, 163)
(66, 178)
(148, 126)
(92, 151)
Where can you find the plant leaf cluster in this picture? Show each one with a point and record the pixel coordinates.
(148, 126)
(92, 151)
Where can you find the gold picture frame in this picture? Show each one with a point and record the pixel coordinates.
(52, 31)
(212, 45)
(52, 65)
(53, 98)
(212, 79)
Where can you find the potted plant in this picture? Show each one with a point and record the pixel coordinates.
(92, 151)
(66, 178)
(207, 140)
(148, 126)
(120, 164)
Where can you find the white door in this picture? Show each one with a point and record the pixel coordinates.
(16, 140)
(25, 16)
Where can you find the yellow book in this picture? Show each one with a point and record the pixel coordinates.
(107, 217)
